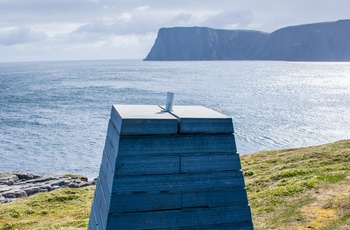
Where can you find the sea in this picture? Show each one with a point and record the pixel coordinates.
(54, 115)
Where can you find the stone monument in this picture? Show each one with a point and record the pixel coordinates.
(174, 169)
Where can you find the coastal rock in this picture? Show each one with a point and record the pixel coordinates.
(17, 184)
(327, 41)
(8, 180)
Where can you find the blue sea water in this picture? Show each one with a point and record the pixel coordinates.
(54, 115)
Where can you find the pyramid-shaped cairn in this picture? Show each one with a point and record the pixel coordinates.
(170, 170)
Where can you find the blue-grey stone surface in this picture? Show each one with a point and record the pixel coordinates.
(199, 119)
(151, 178)
(142, 119)
(327, 41)
(181, 218)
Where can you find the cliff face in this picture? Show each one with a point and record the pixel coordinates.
(201, 43)
(328, 41)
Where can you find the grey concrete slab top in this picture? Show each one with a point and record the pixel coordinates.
(196, 111)
(142, 112)
(200, 119)
(143, 120)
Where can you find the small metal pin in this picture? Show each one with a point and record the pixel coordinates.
(169, 102)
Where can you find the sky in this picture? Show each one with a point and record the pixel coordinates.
(48, 30)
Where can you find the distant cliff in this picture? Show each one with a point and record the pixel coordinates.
(201, 43)
(328, 41)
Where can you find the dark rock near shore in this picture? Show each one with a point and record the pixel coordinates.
(17, 184)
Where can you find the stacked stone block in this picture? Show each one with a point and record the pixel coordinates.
(170, 170)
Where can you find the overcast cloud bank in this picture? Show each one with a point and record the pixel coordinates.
(103, 29)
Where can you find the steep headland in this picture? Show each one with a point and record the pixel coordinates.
(202, 43)
(327, 41)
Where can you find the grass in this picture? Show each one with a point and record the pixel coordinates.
(304, 188)
(59, 209)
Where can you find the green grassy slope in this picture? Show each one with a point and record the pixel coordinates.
(305, 188)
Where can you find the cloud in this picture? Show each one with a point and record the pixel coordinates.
(96, 27)
(142, 8)
(21, 35)
(235, 19)
(135, 21)
(48, 7)
(66, 29)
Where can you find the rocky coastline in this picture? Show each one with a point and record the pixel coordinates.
(16, 185)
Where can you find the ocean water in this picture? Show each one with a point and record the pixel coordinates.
(54, 115)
